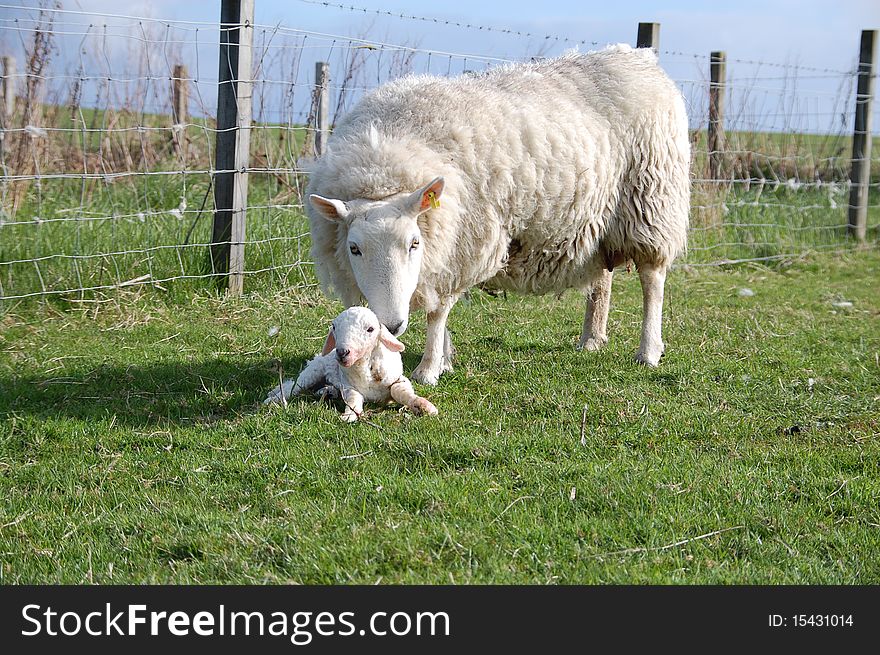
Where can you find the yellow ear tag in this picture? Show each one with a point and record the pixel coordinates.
(435, 203)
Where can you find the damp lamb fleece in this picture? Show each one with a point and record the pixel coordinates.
(555, 171)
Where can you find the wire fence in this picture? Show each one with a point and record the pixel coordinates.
(109, 135)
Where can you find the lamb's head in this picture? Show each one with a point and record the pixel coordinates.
(384, 247)
(355, 333)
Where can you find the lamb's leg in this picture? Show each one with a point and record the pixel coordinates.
(354, 404)
(594, 336)
(652, 277)
(432, 365)
(312, 376)
(403, 393)
(280, 394)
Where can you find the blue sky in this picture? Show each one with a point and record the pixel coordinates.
(810, 32)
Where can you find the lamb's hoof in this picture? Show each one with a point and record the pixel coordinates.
(279, 394)
(425, 376)
(592, 344)
(328, 393)
(349, 417)
(423, 406)
(651, 360)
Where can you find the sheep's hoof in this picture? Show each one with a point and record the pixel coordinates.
(651, 360)
(425, 376)
(349, 417)
(423, 406)
(592, 344)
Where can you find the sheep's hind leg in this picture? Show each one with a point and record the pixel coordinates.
(652, 277)
(594, 335)
(449, 352)
(403, 393)
(432, 365)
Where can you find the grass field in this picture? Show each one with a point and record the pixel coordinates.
(134, 448)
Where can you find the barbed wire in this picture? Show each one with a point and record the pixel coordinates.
(451, 23)
(546, 37)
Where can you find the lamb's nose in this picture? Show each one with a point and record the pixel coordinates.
(342, 353)
(394, 328)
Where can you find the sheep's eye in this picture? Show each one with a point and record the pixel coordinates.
(332, 326)
(370, 329)
(354, 249)
(414, 245)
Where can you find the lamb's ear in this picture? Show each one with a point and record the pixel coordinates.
(329, 343)
(329, 208)
(390, 341)
(428, 197)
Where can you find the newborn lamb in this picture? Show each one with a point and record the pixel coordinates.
(360, 361)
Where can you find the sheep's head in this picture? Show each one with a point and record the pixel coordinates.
(356, 332)
(384, 247)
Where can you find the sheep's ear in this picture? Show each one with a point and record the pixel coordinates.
(329, 343)
(390, 341)
(428, 197)
(329, 208)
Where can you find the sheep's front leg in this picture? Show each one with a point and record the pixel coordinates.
(354, 404)
(652, 277)
(403, 393)
(433, 361)
(593, 335)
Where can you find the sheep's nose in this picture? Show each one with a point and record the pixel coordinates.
(395, 328)
(342, 353)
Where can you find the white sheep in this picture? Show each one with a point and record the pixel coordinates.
(535, 177)
(360, 361)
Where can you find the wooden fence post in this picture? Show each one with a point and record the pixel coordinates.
(649, 36)
(234, 96)
(322, 111)
(717, 75)
(860, 173)
(179, 106)
(7, 97)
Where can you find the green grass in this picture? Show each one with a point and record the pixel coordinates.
(134, 448)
